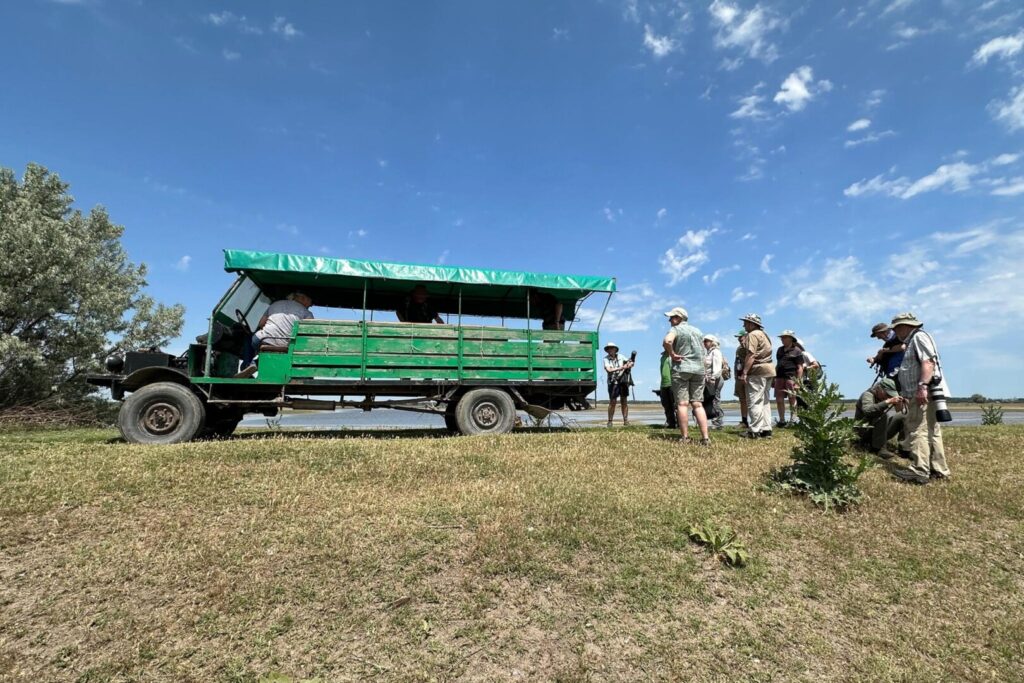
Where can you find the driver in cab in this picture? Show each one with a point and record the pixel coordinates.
(275, 328)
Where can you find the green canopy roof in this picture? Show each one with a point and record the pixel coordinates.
(339, 283)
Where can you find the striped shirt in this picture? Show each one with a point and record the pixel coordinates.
(920, 347)
(688, 342)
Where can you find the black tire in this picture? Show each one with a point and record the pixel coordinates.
(220, 421)
(161, 413)
(485, 411)
(450, 423)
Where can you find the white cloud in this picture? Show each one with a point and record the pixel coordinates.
(632, 309)
(711, 279)
(231, 55)
(1005, 159)
(969, 240)
(748, 236)
(869, 138)
(957, 176)
(285, 28)
(799, 88)
(912, 264)
(766, 263)
(357, 234)
(896, 6)
(739, 294)
(750, 106)
(660, 46)
(559, 33)
(875, 98)
(183, 263)
(610, 215)
(228, 19)
(859, 124)
(443, 258)
(288, 229)
(662, 213)
(1011, 111)
(745, 31)
(687, 255)
(1012, 188)
(1003, 47)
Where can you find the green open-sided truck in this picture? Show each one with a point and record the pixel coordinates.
(475, 376)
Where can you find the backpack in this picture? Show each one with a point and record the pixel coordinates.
(726, 370)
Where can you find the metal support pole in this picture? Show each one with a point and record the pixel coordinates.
(529, 341)
(362, 361)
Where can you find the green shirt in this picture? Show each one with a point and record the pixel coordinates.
(688, 342)
(666, 370)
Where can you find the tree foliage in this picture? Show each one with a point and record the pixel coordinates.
(69, 295)
(820, 468)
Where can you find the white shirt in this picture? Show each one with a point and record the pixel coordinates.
(713, 364)
(613, 363)
(281, 316)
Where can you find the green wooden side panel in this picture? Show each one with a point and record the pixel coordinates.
(345, 350)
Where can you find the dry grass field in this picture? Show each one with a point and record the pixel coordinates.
(533, 556)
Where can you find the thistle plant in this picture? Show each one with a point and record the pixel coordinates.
(821, 468)
(992, 415)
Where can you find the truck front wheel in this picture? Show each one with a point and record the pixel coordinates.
(161, 413)
(485, 411)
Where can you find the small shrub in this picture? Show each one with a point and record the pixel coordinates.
(992, 415)
(820, 468)
(720, 542)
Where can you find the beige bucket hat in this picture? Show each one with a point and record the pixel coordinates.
(907, 318)
(753, 318)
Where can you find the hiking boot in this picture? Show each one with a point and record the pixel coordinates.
(705, 443)
(781, 424)
(885, 454)
(938, 476)
(766, 434)
(905, 454)
(749, 435)
(609, 423)
(910, 476)
(246, 372)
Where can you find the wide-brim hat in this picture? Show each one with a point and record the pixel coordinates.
(889, 387)
(906, 319)
(754, 319)
(677, 312)
(711, 338)
(880, 327)
(789, 333)
(611, 345)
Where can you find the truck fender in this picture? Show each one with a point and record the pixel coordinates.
(144, 376)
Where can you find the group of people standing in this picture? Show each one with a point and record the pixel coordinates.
(693, 372)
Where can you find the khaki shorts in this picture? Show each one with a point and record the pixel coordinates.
(688, 387)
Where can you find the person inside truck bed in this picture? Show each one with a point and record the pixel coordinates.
(275, 328)
(416, 308)
(548, 309)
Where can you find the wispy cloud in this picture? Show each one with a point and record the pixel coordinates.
(443, 258)
(285, 28)
(958, 176)
(632, 309)
(1003, 47)
(859, 124)
(869, 138)
(750, 107)
(799, 88)
(183, 263)
(766, 263)
(687, 255)
(739, 294)
(238, 22)
(231, 55)
(711, 279)
(660, 46)
(1010, 112)
(747, 32)
(662, 212)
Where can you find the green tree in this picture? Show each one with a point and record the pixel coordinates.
(978, 398)
(69, 295)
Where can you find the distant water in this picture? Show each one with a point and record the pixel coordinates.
(351, 418)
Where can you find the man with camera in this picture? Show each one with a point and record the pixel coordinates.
(620, 378)
(684, 344)
(880, 410)
(924, 388)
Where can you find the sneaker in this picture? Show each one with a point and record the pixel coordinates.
(766, 434)
(781, 424)
(910, 476)
(609, 423)
(939, 476)
(885, 454)
(706, 443)
(749, 435)
(246, 372)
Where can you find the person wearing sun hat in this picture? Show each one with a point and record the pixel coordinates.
(684, 345)
(758, 371)
(921, 367)
(739, 386)
(881, 410)
(789, 375)
(713, 364)
(619, 379)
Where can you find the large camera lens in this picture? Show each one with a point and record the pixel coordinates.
(936, 396)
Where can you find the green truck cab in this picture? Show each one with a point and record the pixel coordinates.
(475, 376)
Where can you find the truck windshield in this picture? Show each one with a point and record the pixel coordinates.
(248, 299)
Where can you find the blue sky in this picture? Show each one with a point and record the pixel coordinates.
(823, 164)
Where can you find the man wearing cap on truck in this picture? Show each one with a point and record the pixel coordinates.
(882, 414)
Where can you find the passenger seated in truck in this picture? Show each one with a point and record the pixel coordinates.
(275, 328)
(416, 308)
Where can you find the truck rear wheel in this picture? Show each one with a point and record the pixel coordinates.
(161, 413)
(485, 411)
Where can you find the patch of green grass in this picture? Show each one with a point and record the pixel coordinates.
(559, 556)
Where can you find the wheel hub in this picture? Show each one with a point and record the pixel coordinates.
(486, 414)
(161, 418)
